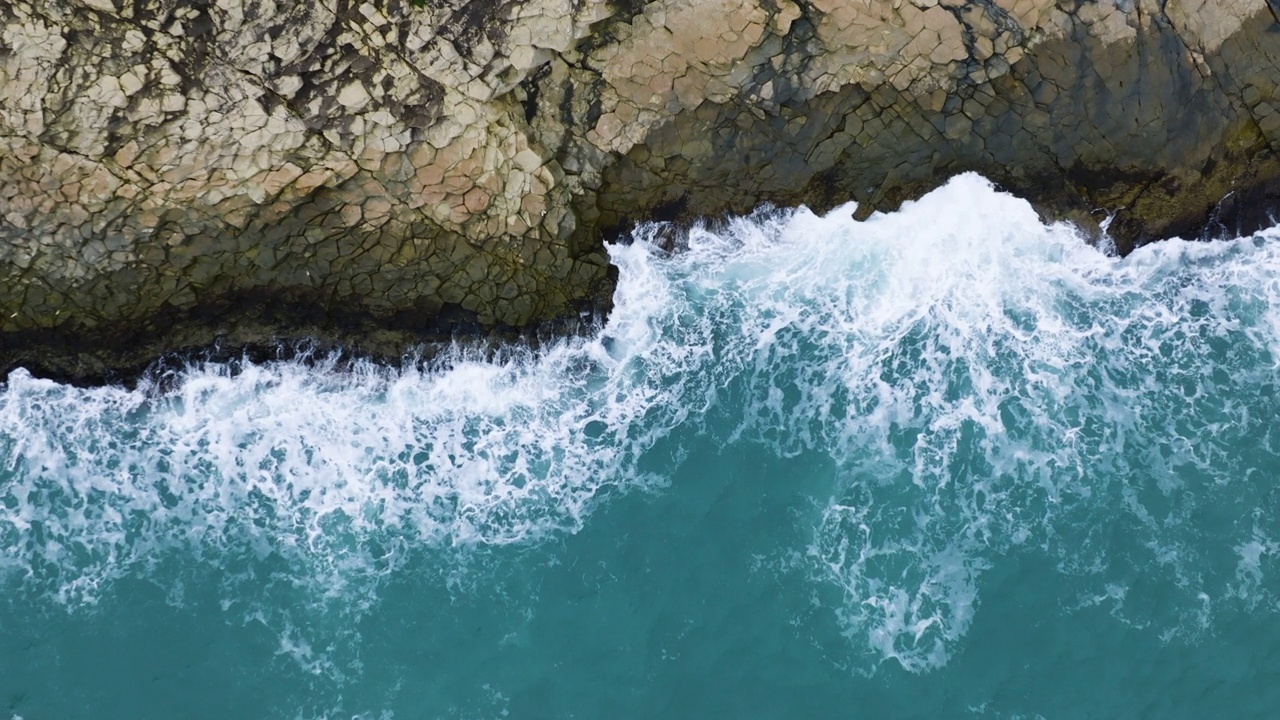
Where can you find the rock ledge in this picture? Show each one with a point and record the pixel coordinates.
(175, 172)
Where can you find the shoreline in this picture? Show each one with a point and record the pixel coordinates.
(261, 328)
(91, 359)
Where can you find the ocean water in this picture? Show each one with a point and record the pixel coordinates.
(946, 462)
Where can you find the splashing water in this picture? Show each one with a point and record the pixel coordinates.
(932, 403)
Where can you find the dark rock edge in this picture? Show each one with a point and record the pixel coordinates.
(270, 325)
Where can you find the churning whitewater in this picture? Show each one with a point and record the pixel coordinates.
(938, 398)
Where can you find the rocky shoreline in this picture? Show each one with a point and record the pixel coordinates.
(177, 175)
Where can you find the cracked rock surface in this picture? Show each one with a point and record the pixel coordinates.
(176, 172)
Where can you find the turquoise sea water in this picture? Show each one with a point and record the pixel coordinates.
(948, 462)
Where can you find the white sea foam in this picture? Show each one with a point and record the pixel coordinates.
(313, 464)
(984, 382)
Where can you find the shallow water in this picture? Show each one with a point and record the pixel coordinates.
(945, 462)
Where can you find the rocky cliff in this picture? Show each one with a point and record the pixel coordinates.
(177, 171)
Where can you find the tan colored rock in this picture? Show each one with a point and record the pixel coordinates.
(476, 152)
(1208, 23)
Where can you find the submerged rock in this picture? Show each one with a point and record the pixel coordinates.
(172, 173)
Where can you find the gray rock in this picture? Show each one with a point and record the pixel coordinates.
(374, 173)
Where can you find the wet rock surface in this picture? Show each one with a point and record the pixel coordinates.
(175, 174)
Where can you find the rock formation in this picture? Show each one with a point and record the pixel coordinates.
(177, 171)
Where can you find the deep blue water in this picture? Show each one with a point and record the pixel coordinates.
(948, 462)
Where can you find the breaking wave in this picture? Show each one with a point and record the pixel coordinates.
(986, 384)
